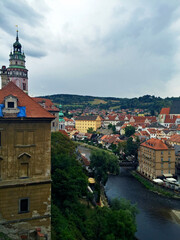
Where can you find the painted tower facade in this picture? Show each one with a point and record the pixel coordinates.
(16, 72)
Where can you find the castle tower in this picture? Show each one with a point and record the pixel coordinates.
(16, 72)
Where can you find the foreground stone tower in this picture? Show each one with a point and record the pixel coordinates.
(16, 72)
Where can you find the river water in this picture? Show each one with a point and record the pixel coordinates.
(154, 220)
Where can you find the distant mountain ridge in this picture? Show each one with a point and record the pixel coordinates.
(151, 103)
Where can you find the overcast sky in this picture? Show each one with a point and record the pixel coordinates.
(120, 48)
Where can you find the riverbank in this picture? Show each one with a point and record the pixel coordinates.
(156, 189)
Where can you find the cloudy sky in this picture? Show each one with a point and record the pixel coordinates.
(121, 48)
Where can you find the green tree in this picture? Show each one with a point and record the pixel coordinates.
(110, 224)
(91, 130)
(129, 131)
(103, 162)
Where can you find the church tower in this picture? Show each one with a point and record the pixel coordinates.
(16, 72)
(61, 118)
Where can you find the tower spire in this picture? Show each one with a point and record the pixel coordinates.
(17, 37)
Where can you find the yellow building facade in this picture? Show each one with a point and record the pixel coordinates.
(83, 123)
(156, 159)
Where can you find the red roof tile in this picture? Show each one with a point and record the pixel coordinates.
(48, 104)
(63, 132)
(155, 144)
(170, 119)
(175, 138)
(165, 111)
(33, 109)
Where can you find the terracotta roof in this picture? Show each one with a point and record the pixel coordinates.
(48, 104)
(70, 128)
(152, 119)
(170, 119)
(63, 132)
(175, 138)
(151, 130)
(144, 133)
(111, 139)
(112, 118)
(87, 118)
(33, 109)
(165, 111)
(68, 119)
(155, 144)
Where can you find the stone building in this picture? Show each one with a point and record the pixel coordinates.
(156, 159)
(16, 72)
(25, 166)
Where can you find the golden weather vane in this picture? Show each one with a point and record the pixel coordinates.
(16, 28)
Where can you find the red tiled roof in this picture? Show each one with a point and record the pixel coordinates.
(144, 133)
(111, 139)
(33, 109)
(152, 130)
(175, 138)
(155, 144)
(70, 128)
(67, 119)
(111, 118)
(63, 132)
(48, 104)
(170, 119)
(165, 111)
(151, 118)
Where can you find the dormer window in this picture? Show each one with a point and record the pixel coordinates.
(11, 105)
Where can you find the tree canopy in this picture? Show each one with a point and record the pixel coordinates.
(71, 218)
(103, 163)
(129, 131)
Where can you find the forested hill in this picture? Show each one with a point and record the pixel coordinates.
(79, 101)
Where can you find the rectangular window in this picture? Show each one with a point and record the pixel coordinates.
(10, 104)
(23, 205)
(24, 86)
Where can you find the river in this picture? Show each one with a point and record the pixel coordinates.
(154, 220)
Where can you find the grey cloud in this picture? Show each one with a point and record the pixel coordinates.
(22, 10)
(143, 32)
(14, 12)
(35, 53)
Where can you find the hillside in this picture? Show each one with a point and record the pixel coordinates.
(150, 103)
